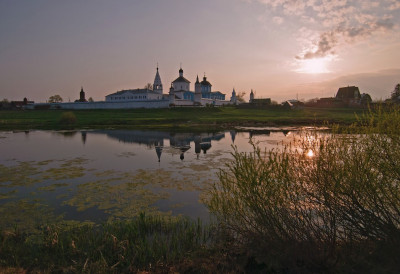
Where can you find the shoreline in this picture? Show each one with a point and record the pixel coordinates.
(177, 119)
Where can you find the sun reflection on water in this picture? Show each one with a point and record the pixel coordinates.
(310, 153)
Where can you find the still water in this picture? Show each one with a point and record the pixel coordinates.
(100, 175)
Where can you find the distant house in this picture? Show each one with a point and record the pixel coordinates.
(20, 104)
(259, 101)
(365, 99)
(330, 102)
(293, 103)
(349, 95)
(345, 97)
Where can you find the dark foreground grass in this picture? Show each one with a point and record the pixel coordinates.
(145, 243)
(174, 118)
(148, 244)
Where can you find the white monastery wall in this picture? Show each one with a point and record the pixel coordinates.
(133, 97)
(105, 105)
(180, 102)
(215, 102)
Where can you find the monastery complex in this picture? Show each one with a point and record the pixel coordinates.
(179, 94)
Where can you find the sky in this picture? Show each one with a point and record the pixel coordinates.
(282, 49)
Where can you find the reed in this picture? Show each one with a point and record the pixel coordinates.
(335, 210)
(151, 243)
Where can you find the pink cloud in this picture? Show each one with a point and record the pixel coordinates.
(338, 23)
(277, 20)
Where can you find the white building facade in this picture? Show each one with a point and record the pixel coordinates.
(139, 94)
(179, 95)
(202, 95)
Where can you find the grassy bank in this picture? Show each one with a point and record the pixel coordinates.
(145, 243)
(175, 118)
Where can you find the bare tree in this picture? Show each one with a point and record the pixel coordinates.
(240, 96)
(55, 99)
(148, 86)
(396, 93)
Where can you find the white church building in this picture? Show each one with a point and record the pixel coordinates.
(139, 94)
(179, 95)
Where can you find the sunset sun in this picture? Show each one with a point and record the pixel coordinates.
(313, 66)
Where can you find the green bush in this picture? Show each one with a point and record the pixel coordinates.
(337, 210)
(68, 118)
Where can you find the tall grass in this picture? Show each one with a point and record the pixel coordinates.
(338, 210)
(144, 243)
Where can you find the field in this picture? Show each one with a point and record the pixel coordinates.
(174, 119)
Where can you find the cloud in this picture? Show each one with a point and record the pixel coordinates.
(337, 23)
(395, 5)
(328, 41)
(325, 46)
(277, 20)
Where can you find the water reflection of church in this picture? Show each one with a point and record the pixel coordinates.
(179, 142)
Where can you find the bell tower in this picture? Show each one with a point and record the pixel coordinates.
(157, 86)
(197, 91)
(82, 96)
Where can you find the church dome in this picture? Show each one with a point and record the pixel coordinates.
(157, 81)
(205, 82)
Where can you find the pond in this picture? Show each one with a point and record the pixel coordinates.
(105, 175)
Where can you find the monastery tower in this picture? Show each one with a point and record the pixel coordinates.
(157, 86)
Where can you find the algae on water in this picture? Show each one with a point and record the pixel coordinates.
(36, 192)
